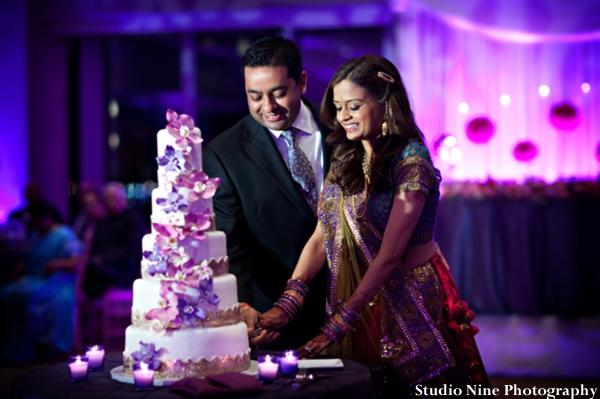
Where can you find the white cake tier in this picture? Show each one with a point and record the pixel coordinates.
(212, 248)
(196, 207)
(146, 292)
(193, 352)
(193, 157)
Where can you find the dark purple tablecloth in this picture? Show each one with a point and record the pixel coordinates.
(353, 381)
(522, 256)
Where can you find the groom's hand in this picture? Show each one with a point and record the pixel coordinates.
(256, 335)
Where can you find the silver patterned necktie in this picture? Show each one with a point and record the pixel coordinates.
(302, 171)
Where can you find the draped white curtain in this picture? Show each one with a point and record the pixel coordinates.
(447, 59)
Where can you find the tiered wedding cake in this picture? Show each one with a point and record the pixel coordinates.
(185, 310)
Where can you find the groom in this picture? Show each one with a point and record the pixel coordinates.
(268, 212)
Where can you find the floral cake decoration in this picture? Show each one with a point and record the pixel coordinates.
(187, 297)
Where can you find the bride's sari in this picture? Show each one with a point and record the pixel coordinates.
(416, 329)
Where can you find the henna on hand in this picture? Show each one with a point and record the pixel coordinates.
(314, 347)
(358, 300)
(273, 319)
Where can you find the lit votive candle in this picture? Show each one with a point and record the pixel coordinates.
(267, 368)
(95, 355)
(288, 362)
(78, 367)
(143, 376)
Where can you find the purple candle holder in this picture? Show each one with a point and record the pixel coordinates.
(267, 368)
(95, 354)
(143, 376)
(288, 362)
(78, 368)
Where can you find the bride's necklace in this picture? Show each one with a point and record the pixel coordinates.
(366, 167)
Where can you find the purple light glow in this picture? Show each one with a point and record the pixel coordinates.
(519, 36)
(443, 65)
(525, 151)
(13, 107)
(480, 130)
(525, 22)
(565, 117)
(585, 87)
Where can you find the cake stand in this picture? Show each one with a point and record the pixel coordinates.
(118, 374)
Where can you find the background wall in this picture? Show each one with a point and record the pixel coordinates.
(14, 168)
(88, 83)
(490, 59)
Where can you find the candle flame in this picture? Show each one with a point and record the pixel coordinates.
(144, 366)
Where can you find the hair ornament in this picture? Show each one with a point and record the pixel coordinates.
(385, 77)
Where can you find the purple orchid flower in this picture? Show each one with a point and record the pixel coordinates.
(182, 128)
(196, 225)
(148, 355)
(159, 261)
(200, 185)
(173, 203)
(168, 308)
(172, 160)
(197, 302)
(159, 267)
(182, 267)
(168, 231)
(189, 312)
(165, 244)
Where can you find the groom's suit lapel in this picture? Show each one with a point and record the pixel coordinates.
(261, 148)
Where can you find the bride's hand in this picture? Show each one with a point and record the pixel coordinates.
(273, 319)
(315, 346)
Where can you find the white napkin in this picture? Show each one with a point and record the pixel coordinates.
(321, 364)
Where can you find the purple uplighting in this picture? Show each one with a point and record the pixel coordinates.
(466, 55)
(13, 108)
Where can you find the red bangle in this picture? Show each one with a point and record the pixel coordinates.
(244, 304)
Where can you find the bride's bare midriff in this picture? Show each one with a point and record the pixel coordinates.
(418, 255)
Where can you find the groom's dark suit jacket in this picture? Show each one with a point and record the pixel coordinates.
(266, 219)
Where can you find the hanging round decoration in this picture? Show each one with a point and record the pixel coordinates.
(480, 130)
(439, 142)
(564, 116)
(525, 151)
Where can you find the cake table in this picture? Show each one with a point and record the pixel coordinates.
(352, 382)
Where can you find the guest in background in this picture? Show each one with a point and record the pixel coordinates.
(33, 194)
(91, 208)
(392, 303)
(267, 211)
(14, 233)
(115, 253)
(41, 302)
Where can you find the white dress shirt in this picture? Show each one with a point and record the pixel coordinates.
(309, 140)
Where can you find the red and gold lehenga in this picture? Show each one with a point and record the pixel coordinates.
(416, 330)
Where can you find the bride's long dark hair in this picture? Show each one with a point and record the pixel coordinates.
(347, 156)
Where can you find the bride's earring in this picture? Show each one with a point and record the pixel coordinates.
(385, 128)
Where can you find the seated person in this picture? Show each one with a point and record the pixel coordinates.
(115, 253)
(41, 302)
(93, 210)
(33, 194)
